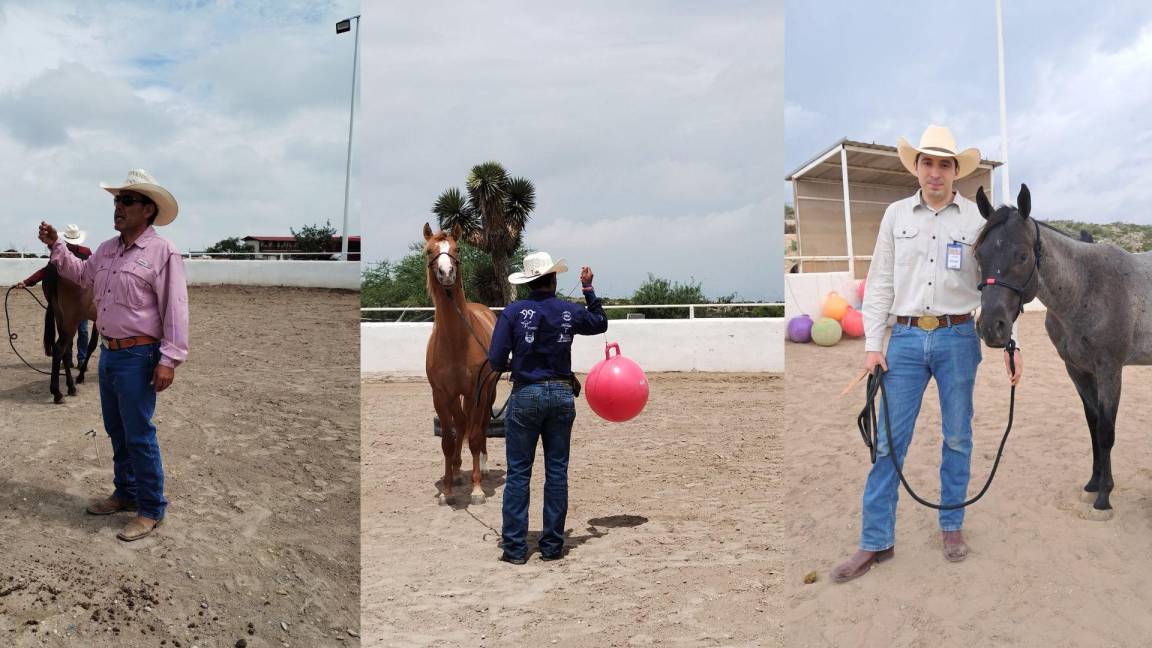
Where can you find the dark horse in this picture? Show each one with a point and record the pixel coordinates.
(1098, 296)
(68, 304)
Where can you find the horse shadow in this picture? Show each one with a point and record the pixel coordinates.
(596, 528)
(462, 487)
(33, 392)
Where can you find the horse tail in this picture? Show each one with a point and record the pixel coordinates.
(49, 330)
(51, 285)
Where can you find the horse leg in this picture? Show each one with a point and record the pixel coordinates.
(68, 366)
(1086, 387)
(477, 437)
(54, 382)
(447, 442)
(93, 342)
(1108, 405)
(460, 423)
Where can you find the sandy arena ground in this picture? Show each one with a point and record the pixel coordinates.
(673, 541)
(260, 440)
(1041, 571)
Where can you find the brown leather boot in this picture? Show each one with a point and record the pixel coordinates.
(110, 505)
(137, 528)
(859, 564)
(955, 549)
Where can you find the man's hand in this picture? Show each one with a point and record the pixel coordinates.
(586, 276)
(1015, 377)
(162, 377)
(47, 233)
(21, 285)
(873, 358)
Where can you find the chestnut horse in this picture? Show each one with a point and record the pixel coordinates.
(68, 304)
(457, 363)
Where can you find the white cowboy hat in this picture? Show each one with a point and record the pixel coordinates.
(537, 265)
(74, 235)
(938, 141)
(142, 182)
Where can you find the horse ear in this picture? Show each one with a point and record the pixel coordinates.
(1024, 201)
(457, 231)
(427, 231)
(982, 203)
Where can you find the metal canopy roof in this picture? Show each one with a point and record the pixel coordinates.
(875, 164)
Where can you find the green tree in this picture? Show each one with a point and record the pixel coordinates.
(656, 290)
(493, 217)
(233, 245)
(316, 238)
(404, 282)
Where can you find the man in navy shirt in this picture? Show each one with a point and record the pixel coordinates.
(538, 332)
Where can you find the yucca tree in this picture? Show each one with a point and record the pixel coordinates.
(493, 217)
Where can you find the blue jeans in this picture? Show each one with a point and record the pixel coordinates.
(128, 401)
(951, 356)
(542, 411)
(81, 342)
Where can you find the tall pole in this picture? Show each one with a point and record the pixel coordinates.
(351, 120)
(1005, 185)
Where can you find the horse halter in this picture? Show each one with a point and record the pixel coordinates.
(1019, 290)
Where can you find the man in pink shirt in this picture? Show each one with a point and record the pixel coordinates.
(142, 299)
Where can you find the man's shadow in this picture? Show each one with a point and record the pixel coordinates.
(30, 503)
(597, 528)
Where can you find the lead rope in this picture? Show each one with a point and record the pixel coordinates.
(12, 336)
(867, 422)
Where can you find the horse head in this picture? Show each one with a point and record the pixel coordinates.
(440, 253)
(1008, 255)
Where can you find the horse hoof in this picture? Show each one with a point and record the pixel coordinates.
(80, 380)
(71, 392)
(1097, 515)
(441, 499)
(477, 498)
(57, 399)
(1092, 486)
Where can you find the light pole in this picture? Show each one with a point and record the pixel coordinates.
(341, 27)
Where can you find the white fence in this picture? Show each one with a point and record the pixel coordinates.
(691, 308)
(712, 344)
(301, 274)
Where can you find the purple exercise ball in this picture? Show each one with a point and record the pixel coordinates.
(800, 329)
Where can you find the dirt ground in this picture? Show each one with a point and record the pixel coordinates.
(673, 538)
(260, 441)
(1042, 571)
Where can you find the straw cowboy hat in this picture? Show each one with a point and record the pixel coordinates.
(74, 235)
(938, 141)
(142, 182)
(537, 265)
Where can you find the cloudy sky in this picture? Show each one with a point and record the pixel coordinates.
(652, 130)
(239, 108)
(1079, 87)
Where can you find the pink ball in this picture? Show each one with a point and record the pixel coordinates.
(616, 388)
(853, 323)
(860, 291)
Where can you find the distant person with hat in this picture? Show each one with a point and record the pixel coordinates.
(141, 296)
(923, 273)
(73, 237)
(538, 333)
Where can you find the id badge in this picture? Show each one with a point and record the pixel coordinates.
(955, 255)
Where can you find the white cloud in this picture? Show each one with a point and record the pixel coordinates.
(241, 111)
(632, 119)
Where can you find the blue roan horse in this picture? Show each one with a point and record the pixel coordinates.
(1099, 301)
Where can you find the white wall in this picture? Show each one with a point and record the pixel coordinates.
(304, 274)
(728, 344)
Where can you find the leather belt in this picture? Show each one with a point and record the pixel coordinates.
(933, 322)
(116, 344)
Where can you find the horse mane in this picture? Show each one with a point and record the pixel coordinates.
(1003, 213)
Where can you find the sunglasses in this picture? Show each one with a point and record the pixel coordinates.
(128, 201)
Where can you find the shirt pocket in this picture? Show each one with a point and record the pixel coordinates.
(908, 245)
(135, 286)
(100, 278)
(966, 239)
